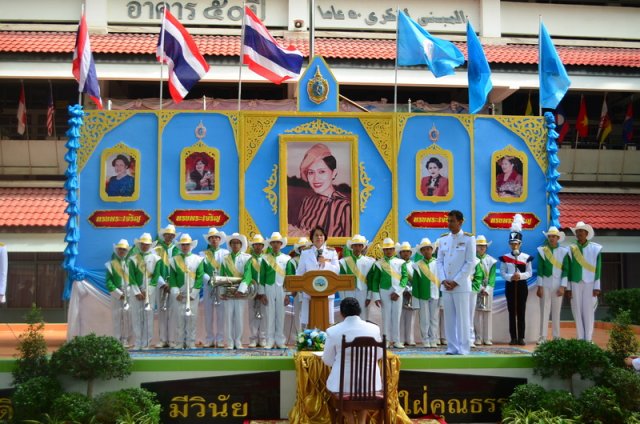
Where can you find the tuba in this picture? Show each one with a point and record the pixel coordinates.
(226, 287)
(482, 301)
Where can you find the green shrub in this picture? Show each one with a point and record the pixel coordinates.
(541, 416)
(625, 384)
(599, 405)
(566, 357)
(92, 357)
(34, 397)
(74, 407)
(560, 403)
(32, 358)
(624, 300)
(116, 407)
(622, 340)
(526, 397)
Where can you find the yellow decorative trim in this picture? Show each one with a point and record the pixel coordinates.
(380, 130)
(96, 125)
(386, 230)
(199, 147)
(248, 226)
(317, 126)
(254, 131)
(134, 155)
(434, 149)
(365, 180)
(532, 131)
(165, 116)
(466, 121)
(495, 157)
(402, 119)
(272, 197)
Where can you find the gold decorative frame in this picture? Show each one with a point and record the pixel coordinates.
(495, 157)
(434, 150)
(355, 181)
(211, 152)
(105, 160)
(272, 197)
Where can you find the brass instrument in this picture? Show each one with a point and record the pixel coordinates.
(147, 304)
(187, 310)
(256, 307)
(227, 287)
(482, 301)
(407, 300)
(125, 291)
(164, 300)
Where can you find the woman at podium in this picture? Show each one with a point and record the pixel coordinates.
(317, 257)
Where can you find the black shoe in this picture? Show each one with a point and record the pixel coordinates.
(521, 342)
(513, 342)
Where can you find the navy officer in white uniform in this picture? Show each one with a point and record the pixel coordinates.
(456, 262)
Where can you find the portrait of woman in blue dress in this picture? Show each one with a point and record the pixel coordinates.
(121, 184)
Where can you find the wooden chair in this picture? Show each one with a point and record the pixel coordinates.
(361, 394)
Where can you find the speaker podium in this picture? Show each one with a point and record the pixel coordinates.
(319, 285)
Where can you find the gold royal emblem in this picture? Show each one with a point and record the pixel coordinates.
(318, 88)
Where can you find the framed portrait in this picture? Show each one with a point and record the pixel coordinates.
(120, 174)
(509, 175)
(434, 174)
(199, 172)
(319, 186)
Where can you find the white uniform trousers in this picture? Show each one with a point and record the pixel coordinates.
(361, 297)
(443, 335)
(213, 318)
(582, 307)
(142, 320)
(484, 320)
(304, 309)
(274, 315)
(429, 320)
(258, 326)
(235, 312)
(473, 298)
(550, 302)
(186, 325)
(407, 324)
(456, 317)
(391, 311)
(166, 326)
(121, 320)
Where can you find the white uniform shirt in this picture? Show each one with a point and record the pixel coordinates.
(456, 260)
(590, 253)
(507, 269)
(240, 262)
(191, 262)
(150, 261)
(309, 260)
(556, 274)
(364, 264)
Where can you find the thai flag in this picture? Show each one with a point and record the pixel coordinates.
(22, 111)
(264, 56)
(84, 68)
(627, 124)
(177, 49)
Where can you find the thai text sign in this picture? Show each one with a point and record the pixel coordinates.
(503, 220)
(428, 219)
(198, 218)
(125, 218)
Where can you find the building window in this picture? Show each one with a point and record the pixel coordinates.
(35, 278)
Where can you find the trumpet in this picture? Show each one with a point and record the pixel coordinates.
(147, 304)
(164, 300)
(125, 291)
(214, 292)
(187, 310)
(256, 308)
(407, 300)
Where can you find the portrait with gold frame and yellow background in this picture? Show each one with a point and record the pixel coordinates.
(120, 174)
(509, 176)
(200, 172)
(302, 197)
(434, 174)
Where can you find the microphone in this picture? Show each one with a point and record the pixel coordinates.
(319, 254)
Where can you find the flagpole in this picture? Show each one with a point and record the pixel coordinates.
(395, 65)
(312, 29)
(539, 73)
(164, 20)
(241, 54)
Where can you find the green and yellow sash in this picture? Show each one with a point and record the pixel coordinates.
(231, 266)
(271, 261)
(577, 254)
(424, 268)
(117, 267)
(549, 257)
(211, 258)
(351, 264)
(179, 260)
(386, 267)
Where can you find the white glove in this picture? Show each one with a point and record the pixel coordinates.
(3, 298)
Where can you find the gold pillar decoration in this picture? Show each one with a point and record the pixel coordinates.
(96, 125)
(272, 197)
(532, 131)
(367, 188)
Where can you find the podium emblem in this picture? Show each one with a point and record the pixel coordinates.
(320, 283)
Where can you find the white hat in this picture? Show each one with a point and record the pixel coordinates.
(357, 239)
(482, 241)
(405, 245)
(553, 231)
(276, 236)
(388, 243)
(169, 229)
(582, 226)
(145, 238)
(186, 239)
(302, 242)
(256, 239)
(425, 242)
(242, 239)
(213, 231)
(122, 244)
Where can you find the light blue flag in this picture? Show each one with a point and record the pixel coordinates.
(478, 72)
(417, 47)
(554, 81)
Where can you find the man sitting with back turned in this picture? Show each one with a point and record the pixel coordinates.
(352, 326)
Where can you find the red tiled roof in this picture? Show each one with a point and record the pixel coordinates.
(336, 48)
(32, 207)
(601, 211)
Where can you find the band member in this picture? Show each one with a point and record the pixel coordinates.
(456, 261)
(584, 276)
(425, 290)
(235, 309)
(185, 278)
(118, 286)
(516, 270)
(166, 249)
(303, 243)
(274, 267)
(407, 314)
(476, 283)
(257, 326)
(487, 279)
(213, 307)
(553, 270)
(389, 282)
(359, 265)
(317, 257)
(145, 274)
